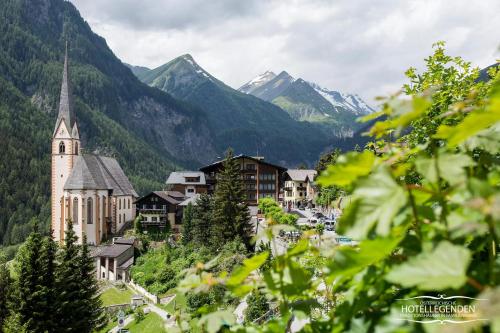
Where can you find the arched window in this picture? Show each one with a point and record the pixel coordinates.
(129, 203)
(119, 203)
(90, 215)
(76, 148)
(119, 219)
(75, 210)
(62, 148)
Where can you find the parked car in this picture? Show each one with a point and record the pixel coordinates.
(317, 217)
(329, 225)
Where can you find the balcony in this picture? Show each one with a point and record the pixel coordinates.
(160, 222)
(161, 212)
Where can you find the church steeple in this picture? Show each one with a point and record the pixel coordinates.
(66, 111)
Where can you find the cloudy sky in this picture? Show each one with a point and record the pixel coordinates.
(361, 46)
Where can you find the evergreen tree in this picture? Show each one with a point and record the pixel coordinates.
(231, 217)
(48, 257)
(5, 289)
(35, 285)
(91, 314)
(187, 224)
(68, 276)
(202, 221)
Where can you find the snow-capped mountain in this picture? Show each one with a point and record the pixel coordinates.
(306, 101)
(350, 101)
(258, 81)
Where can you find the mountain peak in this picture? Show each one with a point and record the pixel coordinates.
(257, 81)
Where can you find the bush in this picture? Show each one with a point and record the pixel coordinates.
(257, 306)
(139, 315)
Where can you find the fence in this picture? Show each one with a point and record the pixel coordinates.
(151, 297)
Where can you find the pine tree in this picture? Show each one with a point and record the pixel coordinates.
(33, 287)
(201, 233)
(187, 224)
(5, 289)
(68, 275)
(92, 315)
(231, 217)
(48, 257)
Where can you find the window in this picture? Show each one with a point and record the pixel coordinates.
(128, 203)
(76, 148)
(267, 186)
(154, 206)
(154, 218)
(90, 215)
(119, 219)
(75, 210)
(251, 166)
(62, 148)
(119, 203)
(190, 190)
(267, 176)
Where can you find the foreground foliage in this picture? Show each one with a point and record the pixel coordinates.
(424, 206)
(53, 289)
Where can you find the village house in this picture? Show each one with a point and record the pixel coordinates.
(159, 208)
(90, 190)
(299, 187)
(261, 179)
(188, 182)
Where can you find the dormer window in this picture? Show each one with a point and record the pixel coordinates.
(62, 148)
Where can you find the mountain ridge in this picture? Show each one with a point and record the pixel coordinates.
(248, 123)
(269, 89)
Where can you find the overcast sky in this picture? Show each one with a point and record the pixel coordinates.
(360, 46)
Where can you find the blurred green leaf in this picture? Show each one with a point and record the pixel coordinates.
(348, 169)
(444, 267)
(450, 167)
(249, 265)
(378, 199)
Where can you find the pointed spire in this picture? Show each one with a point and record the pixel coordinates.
(66, 112)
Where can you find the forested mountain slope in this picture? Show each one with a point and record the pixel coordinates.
(249, 124)
(147, 130)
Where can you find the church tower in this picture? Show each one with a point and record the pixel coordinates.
(65, 146)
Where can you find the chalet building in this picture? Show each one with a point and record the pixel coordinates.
(91, 190)
(261, 179)
(161, 207)
(188, 182)
(299, 187)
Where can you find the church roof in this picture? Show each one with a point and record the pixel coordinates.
(66, 109)
(94, 172)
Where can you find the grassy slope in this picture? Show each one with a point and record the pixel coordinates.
(114, 296)
(151, 323)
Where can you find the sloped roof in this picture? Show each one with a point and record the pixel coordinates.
(256, 159)
(173, 197)
(301, 175)
(112, 251)
(179, 177)
(94, 172)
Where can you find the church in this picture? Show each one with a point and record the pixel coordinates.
(91, 190)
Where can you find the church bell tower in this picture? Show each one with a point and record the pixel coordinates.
(65, 146)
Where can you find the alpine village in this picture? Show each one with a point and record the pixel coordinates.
(163, 200)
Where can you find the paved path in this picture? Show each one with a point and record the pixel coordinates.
(128, 320)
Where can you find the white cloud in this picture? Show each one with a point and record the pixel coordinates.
(353, 46)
